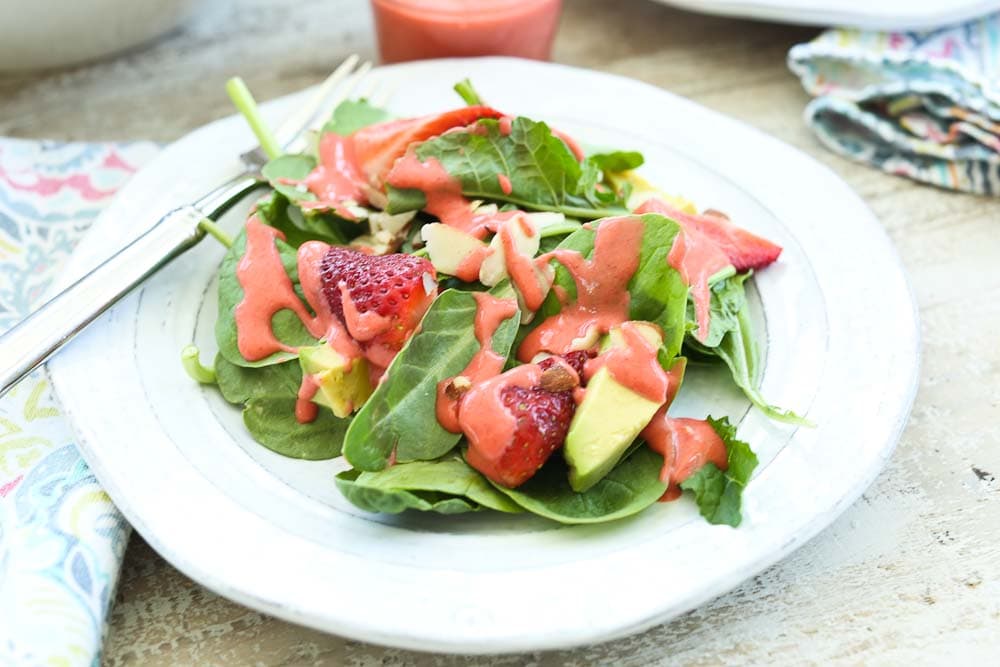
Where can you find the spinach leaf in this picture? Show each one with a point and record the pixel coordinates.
(272, 423)
(617, 161)
(423, 485)
(657, 291)
(394, 501)
(400, 415)
(290, 168)
(543, 172)
(594, 170)
(286, 324)
(719, 494)
(239, 384)
(299, 227)
(738, 350)
(633, 485)
(268, 395)
(352, 115)
(727, 299)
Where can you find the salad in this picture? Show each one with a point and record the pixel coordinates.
(478, 313)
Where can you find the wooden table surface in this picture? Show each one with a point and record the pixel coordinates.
(909, 575)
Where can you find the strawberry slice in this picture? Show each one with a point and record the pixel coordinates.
(386, 296)
(744, 249)
(377, 147)
(541, 420)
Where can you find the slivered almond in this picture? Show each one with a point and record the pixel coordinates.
(457, 386)
(557, 378)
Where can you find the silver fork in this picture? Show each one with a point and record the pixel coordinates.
(29, 343)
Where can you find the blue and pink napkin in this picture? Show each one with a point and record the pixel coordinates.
(925, 105)
(61, 539)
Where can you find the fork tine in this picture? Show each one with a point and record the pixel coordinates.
(380, 94)
(342, 93)
(302, 118)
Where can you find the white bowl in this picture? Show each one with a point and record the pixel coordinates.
(36, 34)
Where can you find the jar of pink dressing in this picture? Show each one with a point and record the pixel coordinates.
(417, 29)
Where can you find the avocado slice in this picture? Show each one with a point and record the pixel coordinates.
(608, 420)
(344, 384)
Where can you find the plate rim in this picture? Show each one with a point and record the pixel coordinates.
(875, 19)
(506, 644)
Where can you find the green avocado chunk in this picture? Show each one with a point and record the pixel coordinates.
(608, 420)
(342, 384)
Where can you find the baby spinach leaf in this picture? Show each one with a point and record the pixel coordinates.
(268, 396)
(633, 485)
(719, 493)
(272, 423)
(239, 384)
(294, 168)
(423, 485)
(299, 227)
(543, 173)
(727, 299)
(593, 171)
(352, 115)
(394, 501)
(617, 161)
(400, 415)
(288, 328)
(738, 350)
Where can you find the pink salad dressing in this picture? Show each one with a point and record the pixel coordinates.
(491, 312)
(485, 422)
(686, 445)
(696, 257)
(633, 364)
(418, 29)
(602, 298)
(336, 181)
(532, 279)
(444, 195)
(267, 289)
(468, 268)
(504, 183)
(305, 410)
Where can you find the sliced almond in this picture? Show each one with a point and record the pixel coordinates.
(558, 378)
(457, 386)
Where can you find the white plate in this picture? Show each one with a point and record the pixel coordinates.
(877, 15)
(273, 533)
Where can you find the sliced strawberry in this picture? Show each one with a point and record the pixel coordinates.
(377, 147)
(541, 419)
(389, 294)
(744, 249)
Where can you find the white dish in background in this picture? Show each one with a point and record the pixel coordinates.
(878, 15)
(35, 34)
(273, 533)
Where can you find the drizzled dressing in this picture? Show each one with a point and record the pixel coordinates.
(336, 181)
(697, 258)
(602, 298)
(267, 289)
(633, 364)
(491, 312)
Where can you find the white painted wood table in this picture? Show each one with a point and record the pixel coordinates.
(909, 575)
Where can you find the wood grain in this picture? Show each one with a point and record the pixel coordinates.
(909, 575)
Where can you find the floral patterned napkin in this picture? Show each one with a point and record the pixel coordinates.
(61, 539)
(920, 104)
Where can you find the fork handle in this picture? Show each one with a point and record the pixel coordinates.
(30, 342)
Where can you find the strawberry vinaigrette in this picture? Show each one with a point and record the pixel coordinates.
(419, 29)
